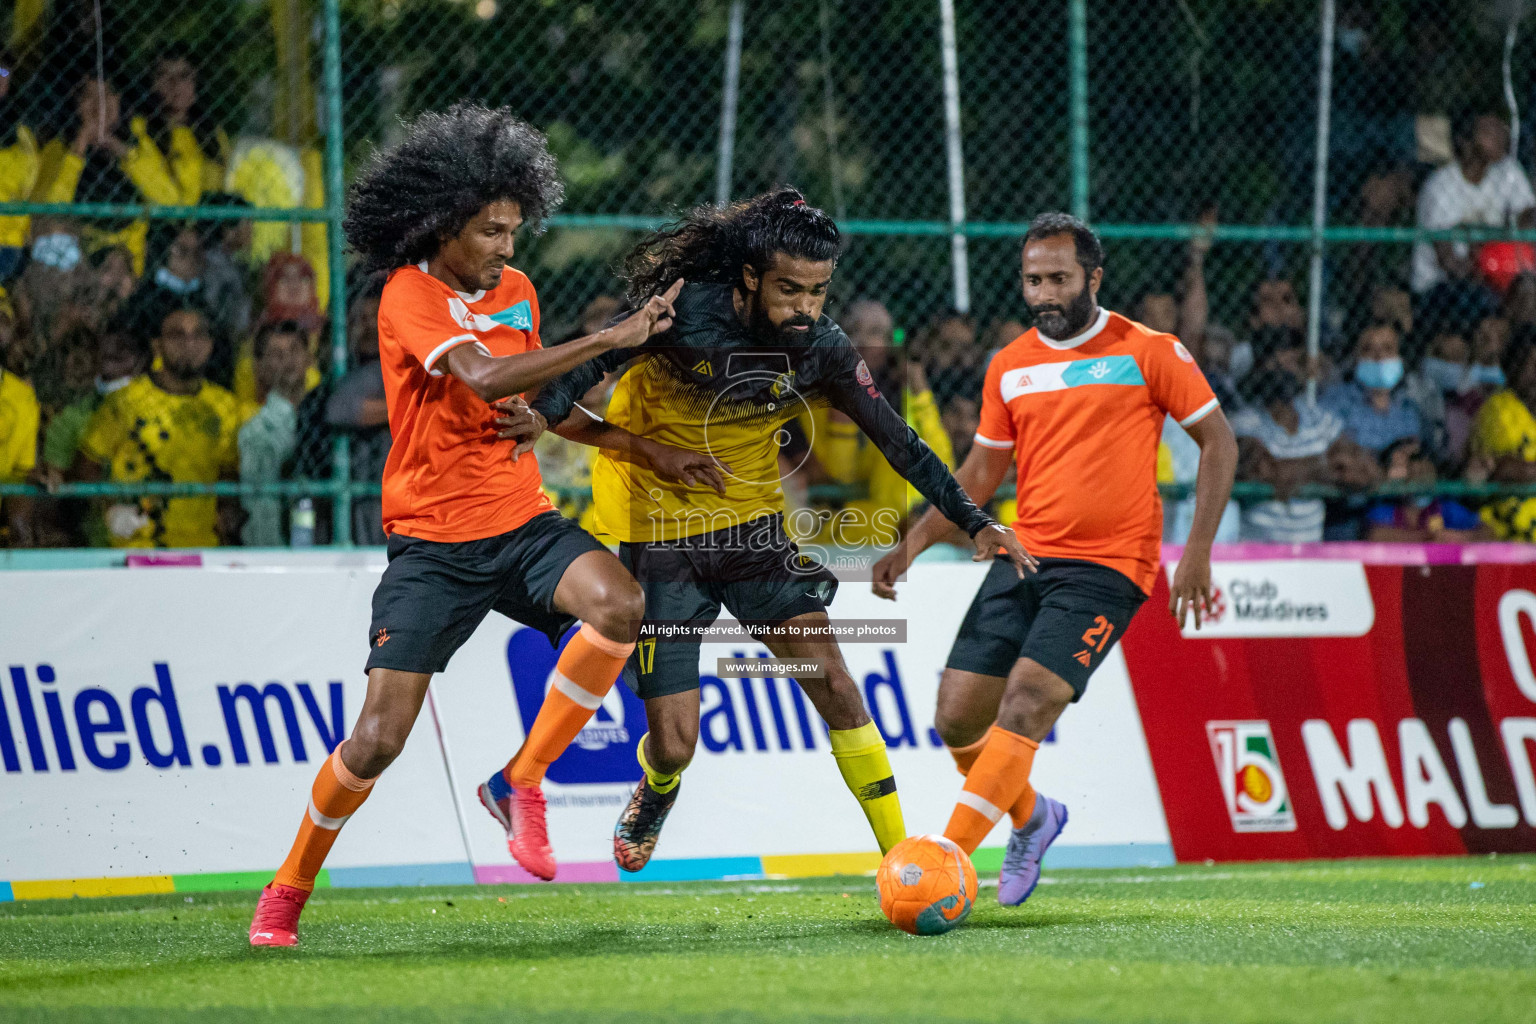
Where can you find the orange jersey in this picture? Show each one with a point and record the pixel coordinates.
(1084, 418)
(448, 477)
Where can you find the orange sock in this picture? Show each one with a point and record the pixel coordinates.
(997, 780)
(334, 796)
(586, 671)
(966, 756)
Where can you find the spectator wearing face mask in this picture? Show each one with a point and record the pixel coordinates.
(1437, 387)
(1489, 340)
(1373, 407)
(1283, 440)
(55, 292)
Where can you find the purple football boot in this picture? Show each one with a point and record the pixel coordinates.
(1026, 846)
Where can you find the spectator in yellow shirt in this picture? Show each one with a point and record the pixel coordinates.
(848, 457)
(1504, 440)
(195, 148)
(167, 425)
(98, 159)
(19, 419)
(18, 169)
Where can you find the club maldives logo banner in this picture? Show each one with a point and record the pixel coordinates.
(1290, 597)
(1400, 700)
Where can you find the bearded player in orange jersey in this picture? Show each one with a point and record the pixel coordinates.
(469, 528)
(1078, 402)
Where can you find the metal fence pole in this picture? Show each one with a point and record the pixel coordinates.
(959, 257)
(728, 105)
(1077, 40)
(335, 206)
(1320, 192)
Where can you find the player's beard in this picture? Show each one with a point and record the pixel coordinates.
(1057, 322)
(766, 332)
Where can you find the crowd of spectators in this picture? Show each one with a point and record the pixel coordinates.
(139, 349)
(150, 350)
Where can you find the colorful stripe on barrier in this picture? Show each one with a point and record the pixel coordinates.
(686, 869)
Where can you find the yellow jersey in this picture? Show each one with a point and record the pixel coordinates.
(707, 385)
(142, 433)
(1506, 427)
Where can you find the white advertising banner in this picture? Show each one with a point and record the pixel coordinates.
(1285, 598)
(169, 722)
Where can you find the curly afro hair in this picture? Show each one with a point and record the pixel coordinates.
(712, 243)
(450, 166)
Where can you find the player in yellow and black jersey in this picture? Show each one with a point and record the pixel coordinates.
(748, 351)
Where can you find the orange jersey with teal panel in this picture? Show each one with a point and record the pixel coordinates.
(1084, 418)
(448, 477)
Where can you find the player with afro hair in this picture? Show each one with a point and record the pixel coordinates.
(469, 527)
(451, 166)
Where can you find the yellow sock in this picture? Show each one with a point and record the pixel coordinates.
(860, 755)
(659, 782)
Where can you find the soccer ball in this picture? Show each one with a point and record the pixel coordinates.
(927, 885)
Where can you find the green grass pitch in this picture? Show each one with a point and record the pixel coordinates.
(1450, 941)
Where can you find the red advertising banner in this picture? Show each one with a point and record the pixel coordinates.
(1334, 709)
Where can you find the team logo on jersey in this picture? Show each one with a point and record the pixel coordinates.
(862, 374)
(702, 366)
(1182, 352)
(519, 316)
(604, 751)
(1248, 769)
(782, 383)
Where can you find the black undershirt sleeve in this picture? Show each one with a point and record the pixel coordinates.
(852, 391)
(557, 397)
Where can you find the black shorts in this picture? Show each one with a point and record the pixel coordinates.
(1066, 617)
(434, 594)
(753, 569)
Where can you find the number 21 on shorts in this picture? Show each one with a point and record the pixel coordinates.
(1098, 634)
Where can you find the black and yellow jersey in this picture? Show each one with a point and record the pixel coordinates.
(142, 432)
(705, 384)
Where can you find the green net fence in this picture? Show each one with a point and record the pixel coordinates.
(170, 175)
